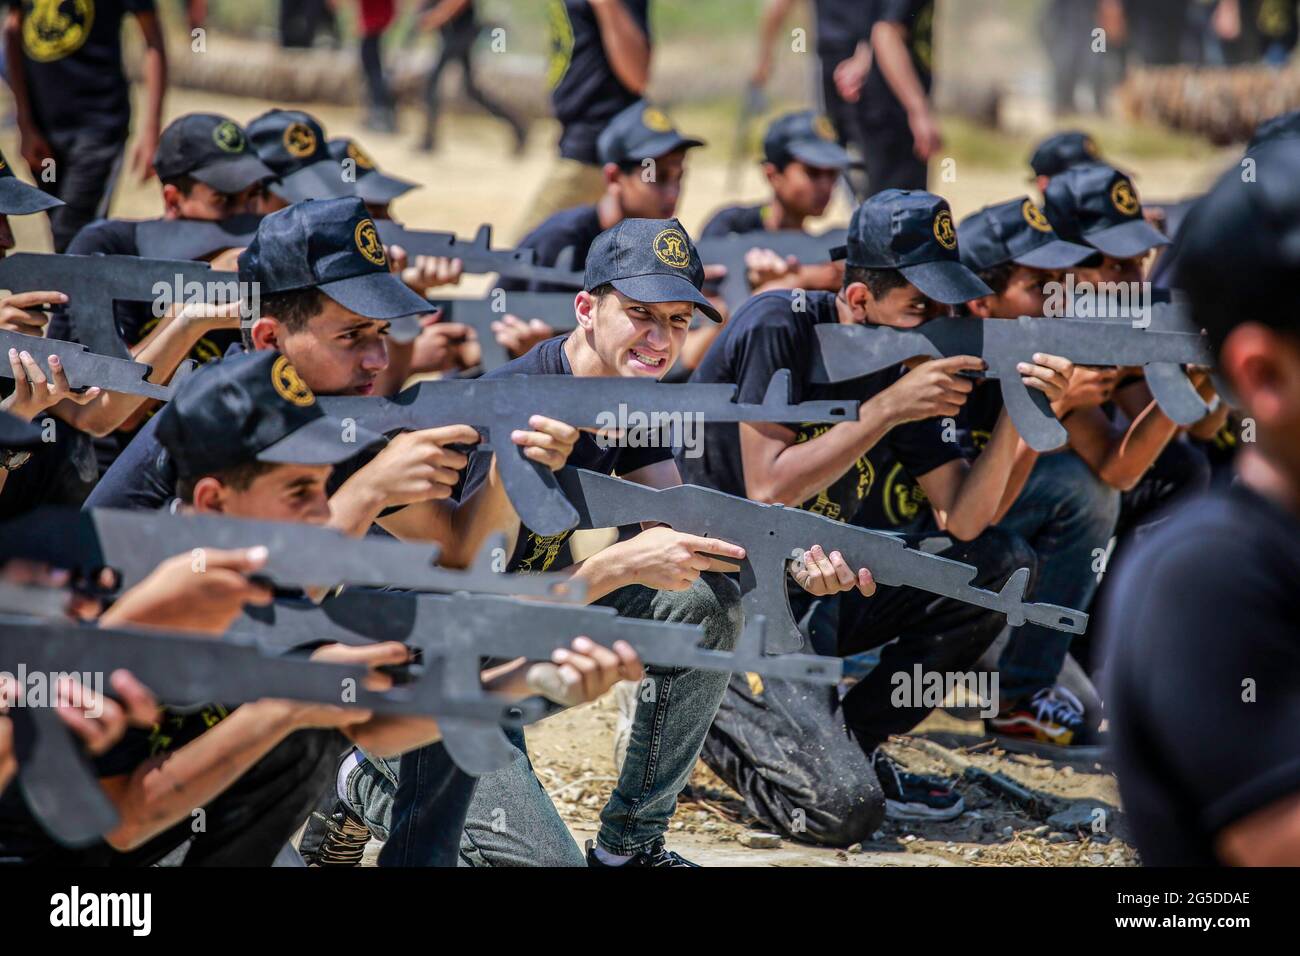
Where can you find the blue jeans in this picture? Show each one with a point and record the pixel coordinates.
(1066, 513)
(510, 819)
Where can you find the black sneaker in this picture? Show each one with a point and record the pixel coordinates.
(911, 796)
(654, 855)
(334, 835)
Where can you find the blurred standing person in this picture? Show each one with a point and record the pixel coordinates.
(375, 17)
(459, 27)
(599, 66)
(301, 20)
(1067, 29)
(74, 101)
(844, 55)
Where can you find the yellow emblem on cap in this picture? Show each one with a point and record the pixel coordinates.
(1125, 200)
(943, 230)
(672, 249)
(299, 140)
(360, 156)
(1034, 216)
(368, 244)
(656, 120)
(53, 29)
(3, 164)
(288, 384)
(823, 127)
(228, 137)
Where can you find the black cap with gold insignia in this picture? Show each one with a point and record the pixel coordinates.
(212, 149)
(912, 231)
(250, 407)
(1061, 151)
(17, 198)
(372, 186)
(1015, 231)
(805, 136)
(640, 132)
(293, 144)
(1096, 205)
(331, 245)
(649, 260)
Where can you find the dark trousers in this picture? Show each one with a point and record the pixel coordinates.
(799, 754)
(886, 151)
(429, 807)
(378, 94)
(459, 49)
(87, 163)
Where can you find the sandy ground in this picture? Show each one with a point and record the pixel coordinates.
(473, 180)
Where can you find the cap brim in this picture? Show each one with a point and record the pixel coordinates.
(319, 442)
(16, 433)
(377, 295)
(19, 199)
(235, 174)
(321, 180)
(664, 144)
(946, 281)
(1057, 254)
(375, 187)
(1126, 240)
(821, 154)
(656, 287)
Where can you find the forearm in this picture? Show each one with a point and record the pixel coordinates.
(1134, 453)
(486, 512)
(803, 469)
(773, 17)
(626, 45)
(155, 81)
(394, 736)
(355, 506)
(980, 494)
(603, 573)
(889, 46)
(1026, 458)
(165, 790)
(16, 68)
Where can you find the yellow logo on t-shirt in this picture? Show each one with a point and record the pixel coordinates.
(53, 29)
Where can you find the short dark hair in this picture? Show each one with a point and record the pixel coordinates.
(880, 281)
(185, 183)
(998, 277)
(294, 309)
(239, 477)
(604, 289)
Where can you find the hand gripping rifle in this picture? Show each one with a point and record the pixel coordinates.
(730, 251)
(501, 405)
(852, 351)
(553, 308)
(478, 256)
(85, 368)
(773, 535)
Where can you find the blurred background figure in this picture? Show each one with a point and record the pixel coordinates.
(375, 17)
(458, 25)
(302, 20)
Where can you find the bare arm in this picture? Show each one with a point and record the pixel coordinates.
(1267, 837)
(889, 45)
(774, 15)
(155, 81)
(626, 45)
(966, 498)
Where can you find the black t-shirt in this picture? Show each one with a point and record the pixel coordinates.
(734, 219)
(841, 24)
(134, 320)
(766, 335)
(574, 228)
(1202, 626)
(880, 107)
(73, 61)
(534, 552)
(896, 500)
(585, 93)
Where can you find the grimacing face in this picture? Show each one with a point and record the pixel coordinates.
(636, 339)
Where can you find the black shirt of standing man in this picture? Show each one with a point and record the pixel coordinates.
(585, 92)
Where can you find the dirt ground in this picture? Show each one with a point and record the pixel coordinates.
(473, 180)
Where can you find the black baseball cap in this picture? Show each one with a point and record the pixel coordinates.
(806, 136)
(638, 132)
(16, 433)
(1283, 126)
(1015, 231)
(212, 149)
(1061, 151)
(331, 245)
(1096, 205)
(912, 231)
(293, 144)
(371, 185)
(252, 406)
(18, 198)
(650, 260)
(1239, 248)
